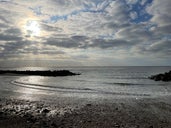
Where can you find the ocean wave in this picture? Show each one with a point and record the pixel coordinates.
(132, 84)
(122, 84)
(46, 87)
(122, 77)
(126, 94)
(73, 90)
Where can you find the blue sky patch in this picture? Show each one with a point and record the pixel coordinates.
(142, 15)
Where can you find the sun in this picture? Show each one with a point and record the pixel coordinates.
(32, 28)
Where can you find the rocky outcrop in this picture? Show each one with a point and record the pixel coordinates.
(40, 73)
(162, 77)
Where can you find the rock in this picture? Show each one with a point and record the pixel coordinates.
(45, 110)
(162, 77)
(89, 121)
(1, 113)
(117, 125)
(53, 124)
(38, 111)
(40, 73)
(88, 105)
(30, 118)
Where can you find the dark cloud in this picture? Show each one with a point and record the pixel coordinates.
(49, 28)
(72, 42)
(84, 42)
(4, 37)
(14, 46)
(137, 33)
(64, 42)
(5, 0)
(13, 31)
(163, 46)
(112, 25)
(165, 29)
(2, 18)
(11, 49)
(102, 43)
(161, 49)
(2, 25)
(23, 48)
(41, 51)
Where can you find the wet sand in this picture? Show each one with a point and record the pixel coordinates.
(118, 113)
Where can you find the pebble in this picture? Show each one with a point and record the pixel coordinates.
(45, 110)
(88, 105)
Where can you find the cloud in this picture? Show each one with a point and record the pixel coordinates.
(129, 27)
(135, 33)
(5, 0)
(143, 2)
(117, 11)
(101, 43)
(83, 42)
(9, 37)
(50, 28)
(72, 42)
(160, 10)
(163, 45)
(13, 31)
(131, 1)
(133, 15)
(161, 48)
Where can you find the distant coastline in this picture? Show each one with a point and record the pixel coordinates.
(40, 73)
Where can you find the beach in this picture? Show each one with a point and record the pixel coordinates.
(85, 64)
(118, 113)
(105, 97)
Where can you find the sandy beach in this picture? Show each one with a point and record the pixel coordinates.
(99, 98)
(118, 113)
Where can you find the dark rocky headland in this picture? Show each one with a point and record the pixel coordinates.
(162, 77)
(40, 73)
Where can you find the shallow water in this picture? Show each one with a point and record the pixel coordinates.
(94, 82)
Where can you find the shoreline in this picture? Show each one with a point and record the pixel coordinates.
(142, 113)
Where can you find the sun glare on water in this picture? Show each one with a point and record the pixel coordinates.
(32, 28)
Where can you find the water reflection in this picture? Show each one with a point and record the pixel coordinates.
(28, 91)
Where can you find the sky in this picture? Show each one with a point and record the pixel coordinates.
(85, 33)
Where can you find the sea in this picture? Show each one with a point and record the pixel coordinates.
(93, 83)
